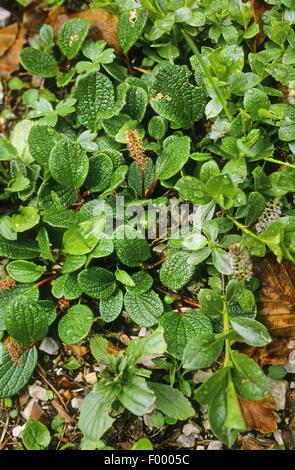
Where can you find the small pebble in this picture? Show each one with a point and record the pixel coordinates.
(200, 448)
(185, 441)
(190, 429)
(17, 431)
(49, 346)
(4, 17)
(278, 437)
(215, 445)
(76, 403)
(147, 419)
(37, 392)
(278, 390)
(91, 378)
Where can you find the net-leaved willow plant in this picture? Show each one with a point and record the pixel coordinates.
(211, 127)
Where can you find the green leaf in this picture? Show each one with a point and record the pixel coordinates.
(252, 332)
(254, 100)
(99, 347)
(111, 308)
(41, 141)
(14, 377)
(124, 278)
(220, 259)
(202, 350)
(157, 127)
(44, 244)
(248, 377)
(222, 189)
(7, 151)
(35, 435)
(192, 189)
(95, 98)
(179, 329)
(100, 172)
(98, 283)
(25, 271)
(130, 26)
(176, 271)
(26, 218)
(175, 154)
(76, 324)
(255, 206)
(72, 263)
(152, 344)
(131, 249)
(211, 302)
(207, 391)
(72, 35)
(217, 415)
(142, 282)
(19, 139)
(94, 418)
(26, 322)
(136, 103)
(18, 249)
(135, 395)
(277, 372)
(143, 444)
(68, 164)
(172, 402)
(6, 296)
(144, 309)
(38, 63)
(174, 98)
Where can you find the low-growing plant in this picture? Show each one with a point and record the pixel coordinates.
(142, 194)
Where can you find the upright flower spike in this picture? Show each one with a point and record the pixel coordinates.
(7, 284)
(271, 213)
(240, 263)
(137, 152)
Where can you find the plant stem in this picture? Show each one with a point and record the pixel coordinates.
(226, 330)
(279, 162)
(207, 73)
(245, 229)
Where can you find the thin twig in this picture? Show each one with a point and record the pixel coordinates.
(41, 372)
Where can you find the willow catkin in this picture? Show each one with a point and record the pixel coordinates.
(240, 263)
(271, 213)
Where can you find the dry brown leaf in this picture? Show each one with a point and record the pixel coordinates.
(9, 62)
(274, 354)
(258, 8)
(77, 350)
(112, 349)
(61, 411)
(259, 415)
(7, 37)
(104, 24)
(276, 307)
(251, 443)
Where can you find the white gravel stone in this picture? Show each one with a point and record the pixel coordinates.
(215, 445)
(4, 17)
(37, 392)
(278, 437)
(185, 441)
(200, 448)
(190, 429)
(26, 413)
(278, 390)
(76, 403)
(49, 346)
(17, 431)
(91, 378)
(201, 376)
